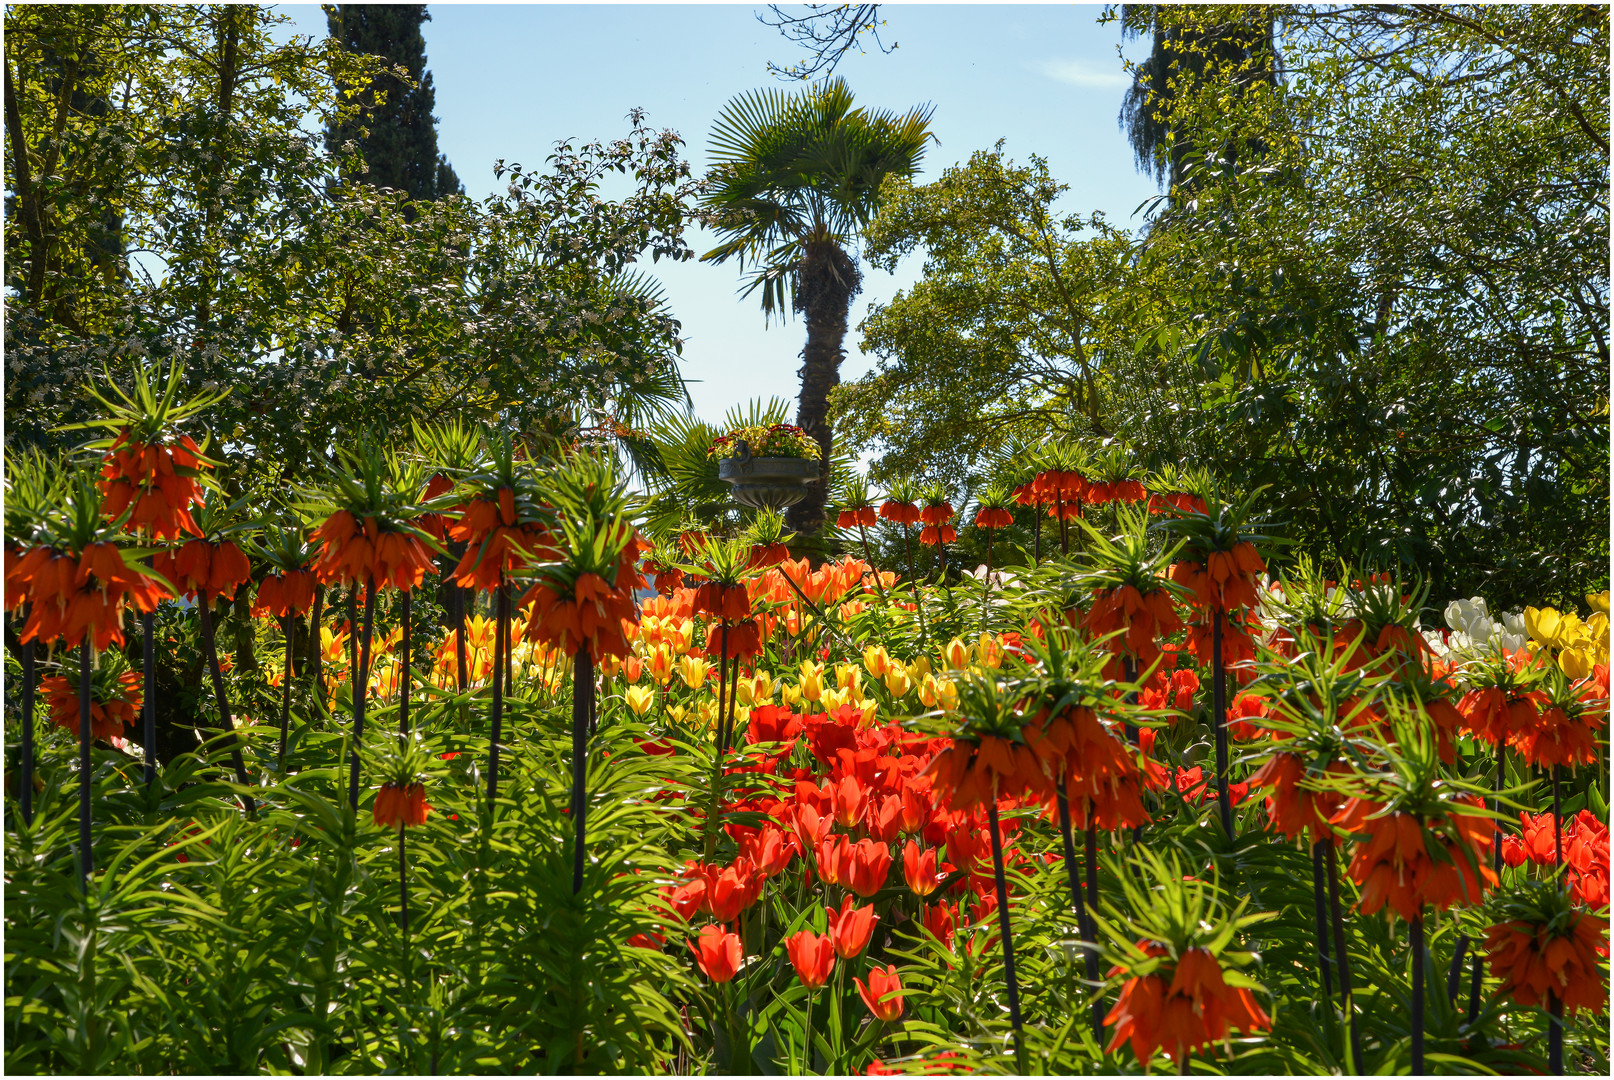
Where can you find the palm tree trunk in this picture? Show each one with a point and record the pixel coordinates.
(827, 281)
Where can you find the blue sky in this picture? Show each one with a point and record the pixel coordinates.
(511, 79)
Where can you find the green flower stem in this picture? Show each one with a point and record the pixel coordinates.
(316, 682)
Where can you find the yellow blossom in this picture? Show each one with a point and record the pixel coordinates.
(661, 666)
(877, 660)
(693, 670)
(640, 699)
(957, 654)
(848, 676)
(897, 681)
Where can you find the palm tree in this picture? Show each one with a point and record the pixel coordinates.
(794, 177)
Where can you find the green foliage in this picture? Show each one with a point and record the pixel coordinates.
(397, 134)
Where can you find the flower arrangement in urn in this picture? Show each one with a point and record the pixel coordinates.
(766, 440)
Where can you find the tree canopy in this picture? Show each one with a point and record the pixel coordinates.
(1395, 313)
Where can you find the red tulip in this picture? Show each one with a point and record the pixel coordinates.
(813, 957)
(919, 870)
(850, 928)
(718, 953)
(883, 994)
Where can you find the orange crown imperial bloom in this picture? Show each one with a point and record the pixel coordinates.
(900, 513)
(491, 535)
(1146, 618)
(397, 806)
(74, 596)
(1557, 738)
(855, 517)
(107, 718)
(1393, 865)
(1291, 809)
(201, 564)
(993, 517)
(291, 593)
(357, 552)
(1226, 580)
(1532, 962)
(1182, 1009)
(937, 534)
(937, 515)
(158, 482)
(593, 615)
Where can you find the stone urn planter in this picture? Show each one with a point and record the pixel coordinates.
(767, 483)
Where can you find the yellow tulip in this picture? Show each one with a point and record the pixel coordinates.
(957, 654)
(832, 699)
(848, 676)
(877, 660)
(1577, 663)
(679, 634)
(1598, 601)
(744, 689)
(870, 706)
(790, 695)
(897, 682)
(676, 713)
(660, 665)
(1542, 624)
(990, 651)
(919, 669)
(693, 670)
(639, 699)
(762, 684)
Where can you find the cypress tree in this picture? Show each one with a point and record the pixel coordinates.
(397, 134)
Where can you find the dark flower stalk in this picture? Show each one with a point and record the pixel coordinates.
(204, 603)
(86, 861)
(1322, 918)
(1090, 954)
(1008, 941)
(28, 683)
(1343, 959)
(361, 683)
(407, 673)
(501, 614)
(582, 706)
(1219, 718)
(285, 693)
(148, 647)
